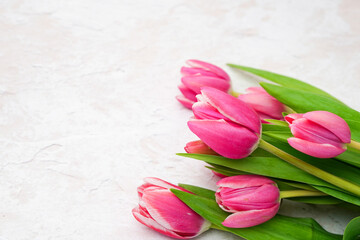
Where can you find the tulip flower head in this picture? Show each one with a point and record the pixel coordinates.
(251, 199)
(319, 134)
(200, 74)
(266, 106)
(162, 211)
(226, 124)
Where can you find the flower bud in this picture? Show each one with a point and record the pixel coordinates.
(266, 106)
(200, 74)
(199, 147)
(252, 199)
(319, 134)
(162, 211)
(226, 124)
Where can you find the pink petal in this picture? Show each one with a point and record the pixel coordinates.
(161, 183)
(250, 198)
(149, 222)
(189, 71)
(209, 67)
(292, 117)
(318, 150)
(199, 147)
(171, 213)
(218, 174)
(332, 122)
(256, 90)
(232, 108)
(264, 103)
(203, 110)
(243, 181)
(250, 218)
(185, 102)
(224, 138)
(196, 83)
(188, 93)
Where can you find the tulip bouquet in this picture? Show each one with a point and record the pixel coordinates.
(285, 140)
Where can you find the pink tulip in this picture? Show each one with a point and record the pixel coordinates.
(252, 199)
(266, 106)
(319, 134)
(198, 75)
(162, 211)
(226, 124)
(220, 175)
(199, 147)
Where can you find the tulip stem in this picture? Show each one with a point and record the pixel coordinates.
(301, 193)
(354, 144)
(339, 182)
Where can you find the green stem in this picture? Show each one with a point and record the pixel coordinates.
(354, 144)
(339, 182)
(300, 193)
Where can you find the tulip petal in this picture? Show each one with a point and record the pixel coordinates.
(188, 93)
(332, 122)
(161, 183)
(185, 102)
(197, 82)
(218, 174)
(232, 108)
(151, 223)
(170, 212)
(199, 147)
(224, 138)
(256, 90)
(203, 110)
(319, 150)
(243, 181)
(209, 67)
(190, 71)
(250, 218)
(292, 117)
(264, 103)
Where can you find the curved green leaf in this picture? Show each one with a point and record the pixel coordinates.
(282, 80)
(352, 230)
(266, 166)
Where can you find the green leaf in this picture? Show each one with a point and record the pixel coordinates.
(350, 157)
(222, 170)
(266, 166)
(278, 228)
(203, 192)
(277, 122)
(282, 80)
(302, 101)
(352, 230)
(275, 128)
(339, 195)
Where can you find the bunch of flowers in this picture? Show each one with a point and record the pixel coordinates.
(285, 140)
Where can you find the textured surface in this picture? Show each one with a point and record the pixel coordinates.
(87, 100)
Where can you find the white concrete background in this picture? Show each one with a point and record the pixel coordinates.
(87, 104)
